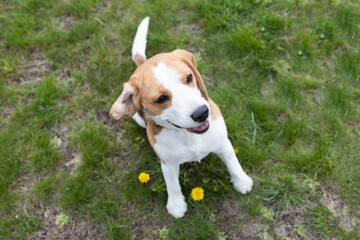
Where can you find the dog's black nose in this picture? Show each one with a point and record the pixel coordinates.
(200, 114)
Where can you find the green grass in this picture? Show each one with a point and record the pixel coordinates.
(284, 73)
(282, 192)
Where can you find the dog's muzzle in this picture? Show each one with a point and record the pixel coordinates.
(199, 129)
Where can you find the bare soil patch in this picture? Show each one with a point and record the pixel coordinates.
(73, 230)
(27, 182)
(70, 157)
(334, 203)
(288, 220)
(34, 68)
(67, 22)
(144, 226)
(238, 223)
(117, 129)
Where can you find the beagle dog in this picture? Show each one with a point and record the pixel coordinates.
(167, 96)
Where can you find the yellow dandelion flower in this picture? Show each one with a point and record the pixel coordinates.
(236, 150)
(144, 177)
(138, 138)
(197, 193)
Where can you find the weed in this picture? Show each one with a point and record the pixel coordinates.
(62, 220)
(263, 235)
(311, 183)
(268, 214)
(301, 231)
(164, 233)
(335, 3)
(6, 68)
(222, 236)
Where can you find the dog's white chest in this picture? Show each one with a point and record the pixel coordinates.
(182, 146)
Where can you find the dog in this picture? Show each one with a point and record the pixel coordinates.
(167, 96)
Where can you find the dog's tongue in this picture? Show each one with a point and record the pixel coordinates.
(201, 128)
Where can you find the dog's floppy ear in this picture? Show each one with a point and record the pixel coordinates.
(129, 101)
(189, 59)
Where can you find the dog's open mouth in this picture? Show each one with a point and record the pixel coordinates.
(200, 129)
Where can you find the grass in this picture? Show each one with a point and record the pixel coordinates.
(283, 192)
(326, 223)
(284, 73)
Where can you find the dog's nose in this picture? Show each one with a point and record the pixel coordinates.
(200, 114)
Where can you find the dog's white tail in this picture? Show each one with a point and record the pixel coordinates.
(139, 45)
(138, 55)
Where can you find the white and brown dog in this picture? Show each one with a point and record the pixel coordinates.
(167, 96)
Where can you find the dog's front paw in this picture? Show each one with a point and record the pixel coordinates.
(176, 207)
(243, 184)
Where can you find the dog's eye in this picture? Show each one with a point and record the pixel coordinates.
(162, 99)
(189, 79)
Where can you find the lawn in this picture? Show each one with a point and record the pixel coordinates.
(286, 75)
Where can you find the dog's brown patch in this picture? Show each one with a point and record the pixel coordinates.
(214, 109)
(138, 59)
(152, 129)
(189, 59)
(150, 93)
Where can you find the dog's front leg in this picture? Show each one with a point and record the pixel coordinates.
(176, 204)
(242, 182)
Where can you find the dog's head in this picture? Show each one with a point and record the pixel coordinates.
(170, 89)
